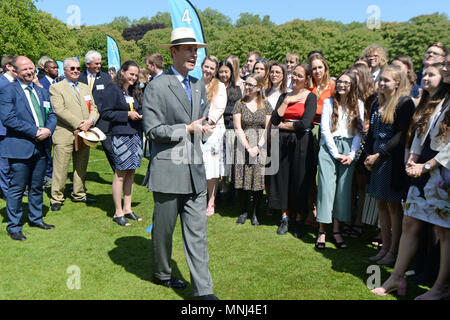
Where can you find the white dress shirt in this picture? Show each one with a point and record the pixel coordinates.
(342, 129)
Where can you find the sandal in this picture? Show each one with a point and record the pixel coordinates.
(210, 211)
(339, 245)
(320, 245)
(122, 221)
(355, 234)
(133, 216)
(347, 230)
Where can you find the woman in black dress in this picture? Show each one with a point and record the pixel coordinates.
(390, 118)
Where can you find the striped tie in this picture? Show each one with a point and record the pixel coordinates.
(36, 106)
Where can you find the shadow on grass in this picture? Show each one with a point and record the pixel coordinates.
(354, 260)
(135, 255)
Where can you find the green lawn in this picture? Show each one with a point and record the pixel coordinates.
(115, 263)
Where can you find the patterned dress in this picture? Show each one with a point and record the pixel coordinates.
(249, 172)
(381, 175)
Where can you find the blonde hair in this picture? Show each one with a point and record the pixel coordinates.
(390, 103)
(376, 48)
(213, 86)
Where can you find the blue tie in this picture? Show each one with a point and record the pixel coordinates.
(187, 88)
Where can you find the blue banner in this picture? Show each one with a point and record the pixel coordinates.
(60, 68)
(184, 15)
(113, 54)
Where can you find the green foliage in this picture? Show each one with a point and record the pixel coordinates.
(27, 31)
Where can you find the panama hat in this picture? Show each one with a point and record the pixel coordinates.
(182, 36)
(92, 137)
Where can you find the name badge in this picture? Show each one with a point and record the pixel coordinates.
(87, 98)
(129, 100)
(46, 105)
(100, 87)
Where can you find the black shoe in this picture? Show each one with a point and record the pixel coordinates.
(284, 227)
(85, 200)
(208, 297)
(18, 236)
(42, 226)
(172, 283)
(56, 207)
(320, 245)
(299, 230)
(122, 221)
(255, 221)
(242, 218)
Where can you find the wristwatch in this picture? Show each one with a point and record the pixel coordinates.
(427, 166)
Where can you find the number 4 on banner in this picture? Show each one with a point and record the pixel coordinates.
(186, 17)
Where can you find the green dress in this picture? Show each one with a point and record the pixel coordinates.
(249, 172)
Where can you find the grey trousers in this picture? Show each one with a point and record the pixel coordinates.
(192, 210)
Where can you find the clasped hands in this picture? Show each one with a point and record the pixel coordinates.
(133, 115)
(371, 160)
(415, 170)
(198, 127)
(43, 134)
(345, 160)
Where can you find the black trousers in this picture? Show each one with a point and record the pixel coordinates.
(290, 184)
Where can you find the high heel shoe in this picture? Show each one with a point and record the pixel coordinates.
(339, 245)
(400, 288)
(320, 245)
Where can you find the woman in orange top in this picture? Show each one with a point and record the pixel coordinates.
(323, 87)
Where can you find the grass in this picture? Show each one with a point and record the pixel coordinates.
(246, 263)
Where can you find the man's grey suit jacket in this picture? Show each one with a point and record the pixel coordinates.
(176, 156)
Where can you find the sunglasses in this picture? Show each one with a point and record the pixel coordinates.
(75, 68)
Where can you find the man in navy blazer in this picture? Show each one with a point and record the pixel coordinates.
(26, 112)
(51, 74)
(97, 81)
(5, 79)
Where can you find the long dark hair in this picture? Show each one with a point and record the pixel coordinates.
(354, 117)
(134, 90)
(233, 92)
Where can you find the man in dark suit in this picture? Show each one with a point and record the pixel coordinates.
(97, 81)
(27, 114)
(51, 74)
(6, 78)
(175, 106)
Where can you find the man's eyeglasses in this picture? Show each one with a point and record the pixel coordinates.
(75, 68)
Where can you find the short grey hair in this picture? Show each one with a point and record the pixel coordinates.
(91, 55)
(66, 62)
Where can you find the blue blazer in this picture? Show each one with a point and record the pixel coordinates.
(3, 83)
(17, 117)
(115, 110)
(45, 83)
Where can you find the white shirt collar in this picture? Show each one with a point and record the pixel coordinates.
(10, 78)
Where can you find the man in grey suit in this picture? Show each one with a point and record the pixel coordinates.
(175, 107)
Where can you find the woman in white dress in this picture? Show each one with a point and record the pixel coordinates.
(428, 197)
(213, 153)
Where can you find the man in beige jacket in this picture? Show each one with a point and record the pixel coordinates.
(76, 110)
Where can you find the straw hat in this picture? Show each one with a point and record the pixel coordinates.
(182, 36)
(92, 137)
